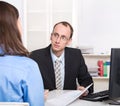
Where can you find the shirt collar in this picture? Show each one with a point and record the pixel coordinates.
(54, 57)
(1, 51)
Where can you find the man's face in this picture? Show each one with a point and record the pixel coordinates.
(60, 38)
(19, 26)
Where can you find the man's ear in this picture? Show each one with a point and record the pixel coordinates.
(51, 37)
(69, 42)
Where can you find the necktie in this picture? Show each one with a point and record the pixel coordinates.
(58, 74)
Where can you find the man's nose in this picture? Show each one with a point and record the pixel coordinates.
(58, 39)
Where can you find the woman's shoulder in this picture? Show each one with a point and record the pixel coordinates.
(27, 63)
(27, 60)
(22, 60)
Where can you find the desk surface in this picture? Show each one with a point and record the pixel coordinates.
(13, 104)
(77, 102)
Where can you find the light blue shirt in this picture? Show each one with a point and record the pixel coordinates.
(20, 80)
(61, 58)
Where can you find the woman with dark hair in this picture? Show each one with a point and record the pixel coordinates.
(20, 78)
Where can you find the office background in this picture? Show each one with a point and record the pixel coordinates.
(96, 23)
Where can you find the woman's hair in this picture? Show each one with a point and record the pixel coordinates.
(65, 24)
(10, 36)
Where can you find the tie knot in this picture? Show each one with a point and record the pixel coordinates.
(57, 61)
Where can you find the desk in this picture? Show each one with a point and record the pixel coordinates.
(77, 102)
(14, 104)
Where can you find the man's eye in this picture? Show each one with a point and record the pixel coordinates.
(63, 37)
(56, 35)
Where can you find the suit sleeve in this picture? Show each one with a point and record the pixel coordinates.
(84, 78)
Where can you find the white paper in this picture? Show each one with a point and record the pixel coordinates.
(66, 97)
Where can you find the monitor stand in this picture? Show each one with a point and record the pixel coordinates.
(114, 101)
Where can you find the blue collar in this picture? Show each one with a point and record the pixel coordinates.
(1, 51)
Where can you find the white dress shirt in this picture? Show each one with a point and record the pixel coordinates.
(61, 58)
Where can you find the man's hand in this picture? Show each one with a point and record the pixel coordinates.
(82, 88)
(46, 91)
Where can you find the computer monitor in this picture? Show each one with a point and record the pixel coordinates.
(114, 80)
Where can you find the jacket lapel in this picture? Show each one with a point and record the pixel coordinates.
(49, 64)
(67, 67)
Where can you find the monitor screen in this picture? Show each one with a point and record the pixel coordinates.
(114, 80)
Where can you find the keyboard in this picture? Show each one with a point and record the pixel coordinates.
(98, 96)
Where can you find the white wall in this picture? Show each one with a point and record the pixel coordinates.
(99, 24)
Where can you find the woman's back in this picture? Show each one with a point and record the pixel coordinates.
(18, 75)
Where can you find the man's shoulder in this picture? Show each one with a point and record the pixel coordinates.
(41, 50)
(74, 52)
(38, 50)
(70, 49)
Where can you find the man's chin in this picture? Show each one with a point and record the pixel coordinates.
(56, 50)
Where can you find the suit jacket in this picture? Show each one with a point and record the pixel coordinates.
(75, 68)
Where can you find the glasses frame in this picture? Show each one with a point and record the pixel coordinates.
(63, 38)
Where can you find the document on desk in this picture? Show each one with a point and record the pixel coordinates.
(64, 97)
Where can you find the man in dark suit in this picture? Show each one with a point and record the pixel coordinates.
(73, 67)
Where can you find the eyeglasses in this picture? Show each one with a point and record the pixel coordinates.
(62, 37)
